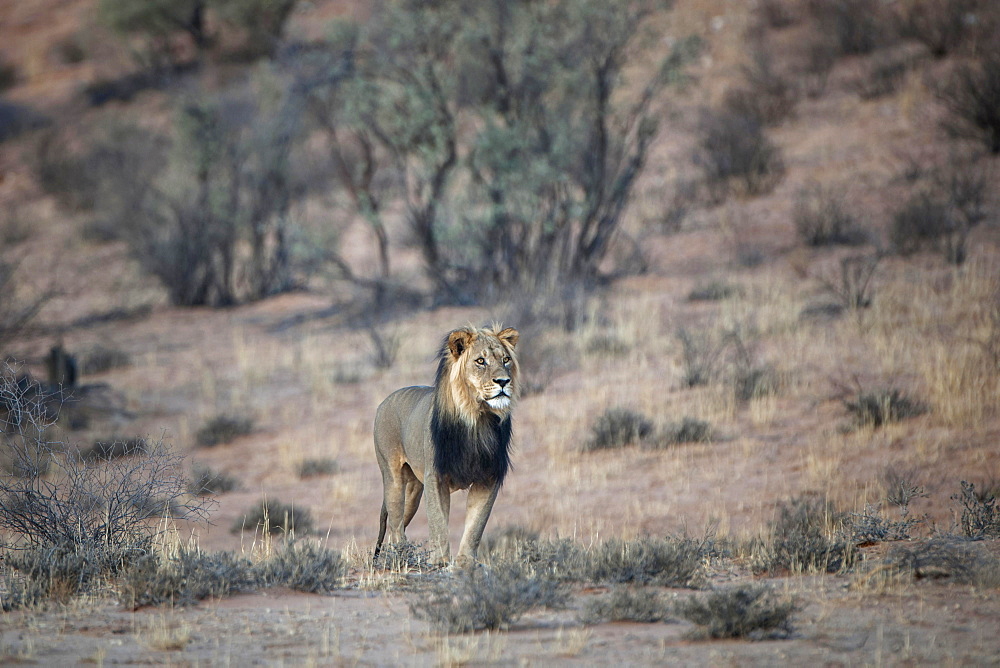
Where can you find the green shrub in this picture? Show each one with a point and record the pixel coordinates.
(747, 611)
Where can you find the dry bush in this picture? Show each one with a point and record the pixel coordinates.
(617, 428)
(626, 604)
(184, 578)
(941, 25)
(980, 517)
(273, 517)
(714, 291)
(302, 566)
(801, 541)
(102, 358)
(666, 562)
(857, 26)
(700, 353)
(74, 520)
(486, 598)
(766, 95)
(688, 430)
(115, 448)
(942, 558)
(309, 468)
(207, 481)
(736, 155)
(775, 13)
(854, 285)
(972, 98)
(222, 429)
(405, 557)
(876, 408)
(821, 218)
(753, 612)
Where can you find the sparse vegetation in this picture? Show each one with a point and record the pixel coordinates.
(274, 517)
(749, 611)
(801, 540)
(688, 430)
(223, 429)
(700, 353)
(736, 155)
(486, 598)
(626, 604)
(617, 428)
(665, 562)
(821, 218)
(980, 517)
(309, 468)
(876, 408)
(205, 481)
(972, 98)
(714, 291)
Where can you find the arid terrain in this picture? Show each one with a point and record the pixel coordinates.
(302, 369)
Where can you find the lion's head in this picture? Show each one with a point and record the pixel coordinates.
(478, 372)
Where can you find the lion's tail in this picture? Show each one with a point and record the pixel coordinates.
(382, 519)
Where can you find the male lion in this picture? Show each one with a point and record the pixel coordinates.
(455, 435)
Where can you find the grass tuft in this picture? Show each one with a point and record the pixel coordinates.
(274, 517)
(625, 604)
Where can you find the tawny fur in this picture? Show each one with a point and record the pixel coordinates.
(454, 435)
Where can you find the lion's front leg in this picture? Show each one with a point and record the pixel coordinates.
(480, 504)
(438, 495)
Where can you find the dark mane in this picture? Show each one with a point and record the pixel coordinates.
(467, 455)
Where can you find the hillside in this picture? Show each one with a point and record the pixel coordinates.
(831, 372)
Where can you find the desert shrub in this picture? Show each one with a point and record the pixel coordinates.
(206, 481)
(700, 353)
(876, 408)
(102, 358)
(775, 13)
(114, 448)
(940, 558)
(821, 218)
(883, 73)
(617, 428)
(274, 517)
(748, 611)
(980, 517)
(302, 566)
(870, 526)
(507, 540)
(184, 578)
(854, 285)
(384, 347)
(800, 541)
(404, 557)
(309, 468)
(714, 291)
(223, 429)
(17, 119)
(486, 598)
(972, 98)
(857, 26)
(941, 25)
(667, 562)
(736, 155)
(819, 59)
(688, 430)
(766, 95)
(625, 604)
(89, 517)
(922, 218)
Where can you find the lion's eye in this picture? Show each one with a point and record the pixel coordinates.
(506, 360)
(481, 362)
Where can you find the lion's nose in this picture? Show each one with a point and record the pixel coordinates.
(502, 382)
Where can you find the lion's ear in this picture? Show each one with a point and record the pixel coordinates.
(510, 336)
(459, 340)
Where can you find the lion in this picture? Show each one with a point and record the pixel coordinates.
(453, 436)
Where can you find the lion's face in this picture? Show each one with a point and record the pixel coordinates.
(484, 363)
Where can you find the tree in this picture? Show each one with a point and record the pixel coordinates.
(515, 141)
